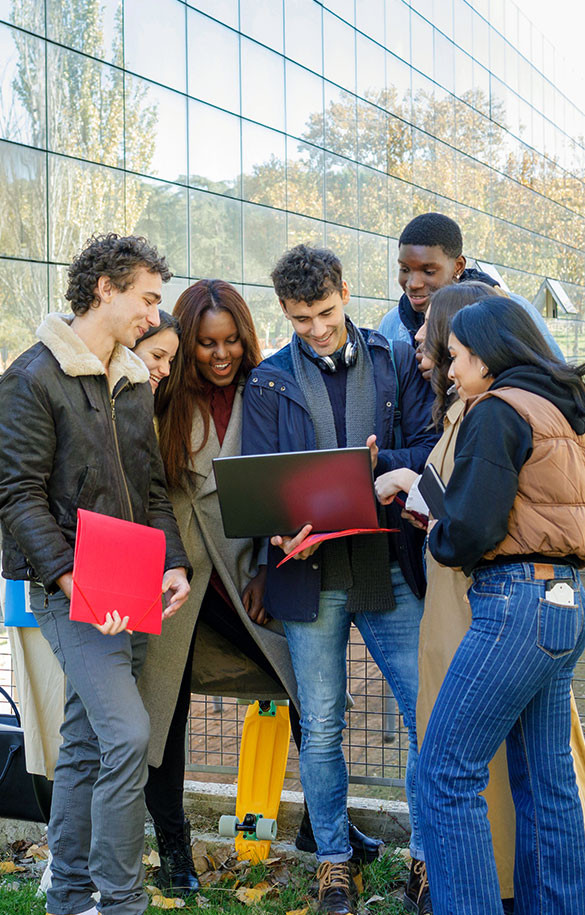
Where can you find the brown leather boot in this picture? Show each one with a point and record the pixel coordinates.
(335, 888)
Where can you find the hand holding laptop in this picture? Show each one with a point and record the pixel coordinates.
(289, 544)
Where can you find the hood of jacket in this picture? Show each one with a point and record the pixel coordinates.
(412, 319)
(535, 380)
(76, 359)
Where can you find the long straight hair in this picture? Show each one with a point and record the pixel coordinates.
(503, 335)
(445, 303)
(186, 391)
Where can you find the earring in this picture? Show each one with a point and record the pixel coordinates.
(483, 371)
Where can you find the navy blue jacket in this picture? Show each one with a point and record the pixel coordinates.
(276, 418)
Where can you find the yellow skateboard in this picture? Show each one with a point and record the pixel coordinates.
(263, 757)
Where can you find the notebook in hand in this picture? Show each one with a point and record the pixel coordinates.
(432, 489)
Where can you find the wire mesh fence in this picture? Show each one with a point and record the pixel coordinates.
(376, 742)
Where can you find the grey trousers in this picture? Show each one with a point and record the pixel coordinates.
(96, 832)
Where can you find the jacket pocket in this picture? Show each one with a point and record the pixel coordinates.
(83, 497)
(558, 628)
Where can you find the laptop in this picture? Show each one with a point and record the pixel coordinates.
(266, 494)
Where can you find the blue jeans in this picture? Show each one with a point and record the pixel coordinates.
(96, 830)
(318, 652)
(510, 679)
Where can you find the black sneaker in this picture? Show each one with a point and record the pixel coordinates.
(177, 872)
(417, 895)
(364, 847)
(335, 888)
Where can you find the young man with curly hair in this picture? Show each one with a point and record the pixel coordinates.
(334, 386)
(76, 431)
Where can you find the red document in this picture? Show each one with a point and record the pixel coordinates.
(119, 566)
(318, 538)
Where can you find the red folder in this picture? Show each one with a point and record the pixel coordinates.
(318, 538)
(119, 566)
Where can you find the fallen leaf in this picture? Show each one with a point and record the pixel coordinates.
(202, 901)
(374, 899)
(152, 890)
(151, 860)
(250, 895)
(161, 902)
(201, 864)
(298, 911)
(9, 867)
(359, 882)
(38, 852)
(269, 861)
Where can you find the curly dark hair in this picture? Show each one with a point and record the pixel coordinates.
(116, 257)
(306, 274)
(430, 229)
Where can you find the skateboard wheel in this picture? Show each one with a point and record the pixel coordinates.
(266, 829)
(228, 826)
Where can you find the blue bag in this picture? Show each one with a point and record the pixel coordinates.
(15, 612)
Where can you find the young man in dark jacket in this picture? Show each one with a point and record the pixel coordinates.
(334, 386)
(76, 431)
(430, 256)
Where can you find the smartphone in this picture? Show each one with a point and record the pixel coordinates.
(560, 591)
(432, 489)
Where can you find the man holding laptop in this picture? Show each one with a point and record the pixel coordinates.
(337, 386)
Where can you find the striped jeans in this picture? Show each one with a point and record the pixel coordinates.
(510, 679)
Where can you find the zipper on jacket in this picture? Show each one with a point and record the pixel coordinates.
(123, 475)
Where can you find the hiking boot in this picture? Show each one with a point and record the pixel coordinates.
(335, 888)
(363, 847)
(417, 895)
(177, 872)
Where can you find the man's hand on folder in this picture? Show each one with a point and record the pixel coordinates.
(288, 544)
(176, 587)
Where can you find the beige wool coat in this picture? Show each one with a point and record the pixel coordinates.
(219, 669)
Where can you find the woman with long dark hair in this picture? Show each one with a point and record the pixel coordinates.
(515, 523)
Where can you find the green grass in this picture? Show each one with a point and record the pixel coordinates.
(382, 878)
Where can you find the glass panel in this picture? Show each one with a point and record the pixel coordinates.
(340, 121)
(159, 212)
(305, 177)
(424, 202)
(214, 62)
(264, 242)
(464, 76)
(372, 311)
(512, 67)
(23, 305)
(262, 85)
(172, 290)
(224, 10)
(305, 231)
(154, 40)
(373, 252)
(263, 165)
(272, 327)
(398, 83)
(302, 35)
(23, 204)
(462, 24)
(22, 87)
(481, 40)
(373, 199)
(85, 105)
(399, 148)
(372, 135)
(74, 216)
(343, 8)
(216, 237)
(338, 51)
(444, 69)
(93, 27)
(395, 290)
(215, 166)
(424, 173)
(370, 19)
(344, 243)
(341, 191)
(29, 16)
(304, 104)
(422, 44)
(443, 16)
(371, 76)
(156, 130)
(262, 20)
(58, 281)
(398, 28)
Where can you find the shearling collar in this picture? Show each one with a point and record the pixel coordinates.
(76, 359)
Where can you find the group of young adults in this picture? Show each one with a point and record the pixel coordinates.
(460, 375)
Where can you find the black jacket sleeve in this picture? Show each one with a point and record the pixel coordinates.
(493, 444)
(27, 448)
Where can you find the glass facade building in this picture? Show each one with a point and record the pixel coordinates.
(227, 130)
